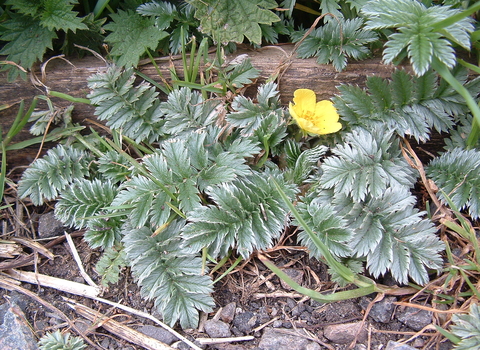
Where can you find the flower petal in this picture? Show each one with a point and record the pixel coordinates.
(304, 100)
(326, 117)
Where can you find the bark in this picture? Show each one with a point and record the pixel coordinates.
(70, 77)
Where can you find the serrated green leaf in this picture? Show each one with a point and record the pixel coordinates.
(59, 14)
(331, 229)
(167, 275)
(110, 264)
(27, 41)
(84, 199)
(48, 176)
(163, 12)
(242, 74)
(337, 40)
(420, 51)
(457, 174)
(417, 32)
(131, 36)
(229, 21)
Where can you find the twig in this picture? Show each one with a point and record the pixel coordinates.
(26, 260)
(119, 329)
(74, 251)
(277, 295)
(431, 309)
(209, 341)
(262, 326)
(54, 282)
(150, 317)
(92, 293)
(10, 284)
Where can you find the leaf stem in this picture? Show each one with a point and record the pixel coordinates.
(445, 73)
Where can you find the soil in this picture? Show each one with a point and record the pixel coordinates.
(253, 288)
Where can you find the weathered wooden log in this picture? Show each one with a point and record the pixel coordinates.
(71, 78)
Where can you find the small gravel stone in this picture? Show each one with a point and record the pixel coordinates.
(414, 318)
(245, 321)
(381, 311)
(158, 333)
(298, 309)
(294, 274)
(14, 332)
(345, 333)
(228, 312)
(291, 303)
(105, 343)
(282, 339)
(277, 323)
(49, 226)
(217, 329)
(393, 345)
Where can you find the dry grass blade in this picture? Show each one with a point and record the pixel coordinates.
(119, 329)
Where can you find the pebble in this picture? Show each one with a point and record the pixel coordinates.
(284, 339)
(345, 333)
(245, 322)
(393, 345)
(414, 318)
(294, 274)
(381, 311)
(228, 312)
(217, 329)
(15, 334)
(49, 226)
(158, 333)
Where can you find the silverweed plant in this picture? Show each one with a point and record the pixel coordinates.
(181, 185)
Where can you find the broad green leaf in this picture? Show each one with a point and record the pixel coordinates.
(232, 20)
(131, 36)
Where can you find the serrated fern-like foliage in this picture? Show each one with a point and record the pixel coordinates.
(388, 231)
(301, 164)
(59, 341)
(177, 173)
(84, 199)
(246, 214)
(167, 275)
(112, 261)
(336, 41)
(410, 105)
(185, 110)
(467, 328)
(332, 229)
(248, 115)
(132, 110)
(457, 174)
(47, 176)
(104, 232)
(417, 34)
(114, 166)
(367, 163)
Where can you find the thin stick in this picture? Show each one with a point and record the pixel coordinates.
(208, 341)
(74, 251)
(9, 284)
(119, 329)
(150, 317)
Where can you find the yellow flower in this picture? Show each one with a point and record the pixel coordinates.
(315, 118)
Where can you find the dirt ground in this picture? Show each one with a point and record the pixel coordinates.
(253, 289)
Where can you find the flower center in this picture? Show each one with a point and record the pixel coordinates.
(308, 115)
